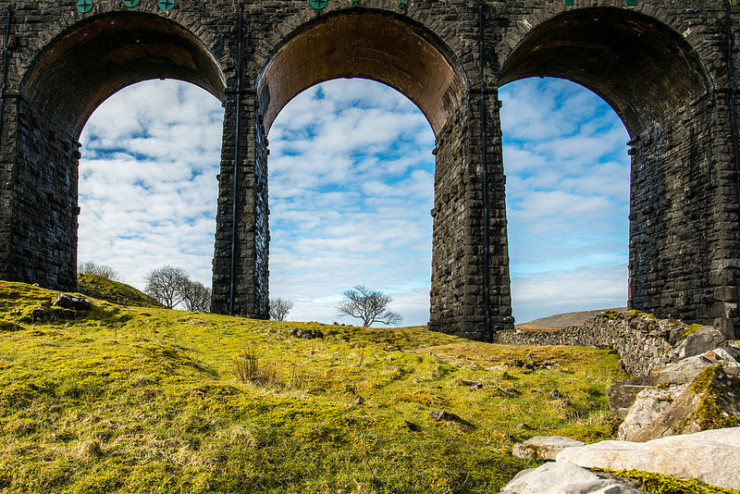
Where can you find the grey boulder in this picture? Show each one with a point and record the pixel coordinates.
(564, 478)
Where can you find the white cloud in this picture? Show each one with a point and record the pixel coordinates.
(148, 189)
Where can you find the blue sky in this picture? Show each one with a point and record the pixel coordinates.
(351, 188)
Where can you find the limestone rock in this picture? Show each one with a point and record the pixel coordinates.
(622, 395)
(711, 456)
(41, 314)
(564, 478)
(734, 347)
(649, 408)
(695, 394)
(700, 342)
(69, 302)
(308, 334)
(663, 404)
(544, 447)
(686, 370)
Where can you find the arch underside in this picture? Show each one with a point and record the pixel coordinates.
(362, 44)
(643, 69)
(90, 62)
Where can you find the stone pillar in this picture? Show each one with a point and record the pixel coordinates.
(457, 295)
(250, 248)
(684, 224)
(498, 245)
(39, 170)
(8, 172)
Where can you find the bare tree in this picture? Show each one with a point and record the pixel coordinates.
(89, 267)
(279, 308)
(166, 285)
(368, 305)
(196, 297)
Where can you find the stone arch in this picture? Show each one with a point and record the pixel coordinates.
(404, 54)
(363, 43)
(93, 59)
(643, 68)
(66, 80)
(662, 89)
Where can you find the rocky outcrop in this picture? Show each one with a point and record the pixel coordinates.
(703, 340)
(695, 394)
(70, 302)
(711, 456)
(680, 421)
(307, 334)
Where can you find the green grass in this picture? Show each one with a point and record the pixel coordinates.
(143, 399)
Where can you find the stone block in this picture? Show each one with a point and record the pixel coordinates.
(726, 293)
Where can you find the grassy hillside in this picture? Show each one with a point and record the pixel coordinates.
(102, 288)
(135, 399)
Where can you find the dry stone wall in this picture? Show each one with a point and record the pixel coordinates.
(644, 343)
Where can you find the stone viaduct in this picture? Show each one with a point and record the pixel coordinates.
(663, 65)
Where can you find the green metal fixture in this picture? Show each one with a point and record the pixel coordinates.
(570, 2)
(130, 3)
(403, 3)
(632, 3)
(166, 4)
(84, 6)
(318, 4)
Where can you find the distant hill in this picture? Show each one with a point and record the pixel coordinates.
(100, 287)
(559, 321)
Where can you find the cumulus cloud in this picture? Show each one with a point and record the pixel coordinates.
(567, 168)
(148, 190)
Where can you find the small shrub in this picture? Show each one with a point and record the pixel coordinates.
(248, 369)
(298, 378)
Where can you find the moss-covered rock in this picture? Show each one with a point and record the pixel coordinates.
(663, 484)
(691, 330)
(719, 399)
(692, 395)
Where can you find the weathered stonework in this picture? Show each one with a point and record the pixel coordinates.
(643, 342)
(662, 65)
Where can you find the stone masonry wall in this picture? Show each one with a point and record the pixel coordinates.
(44, 225)
(641, 340)
(251, 246)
